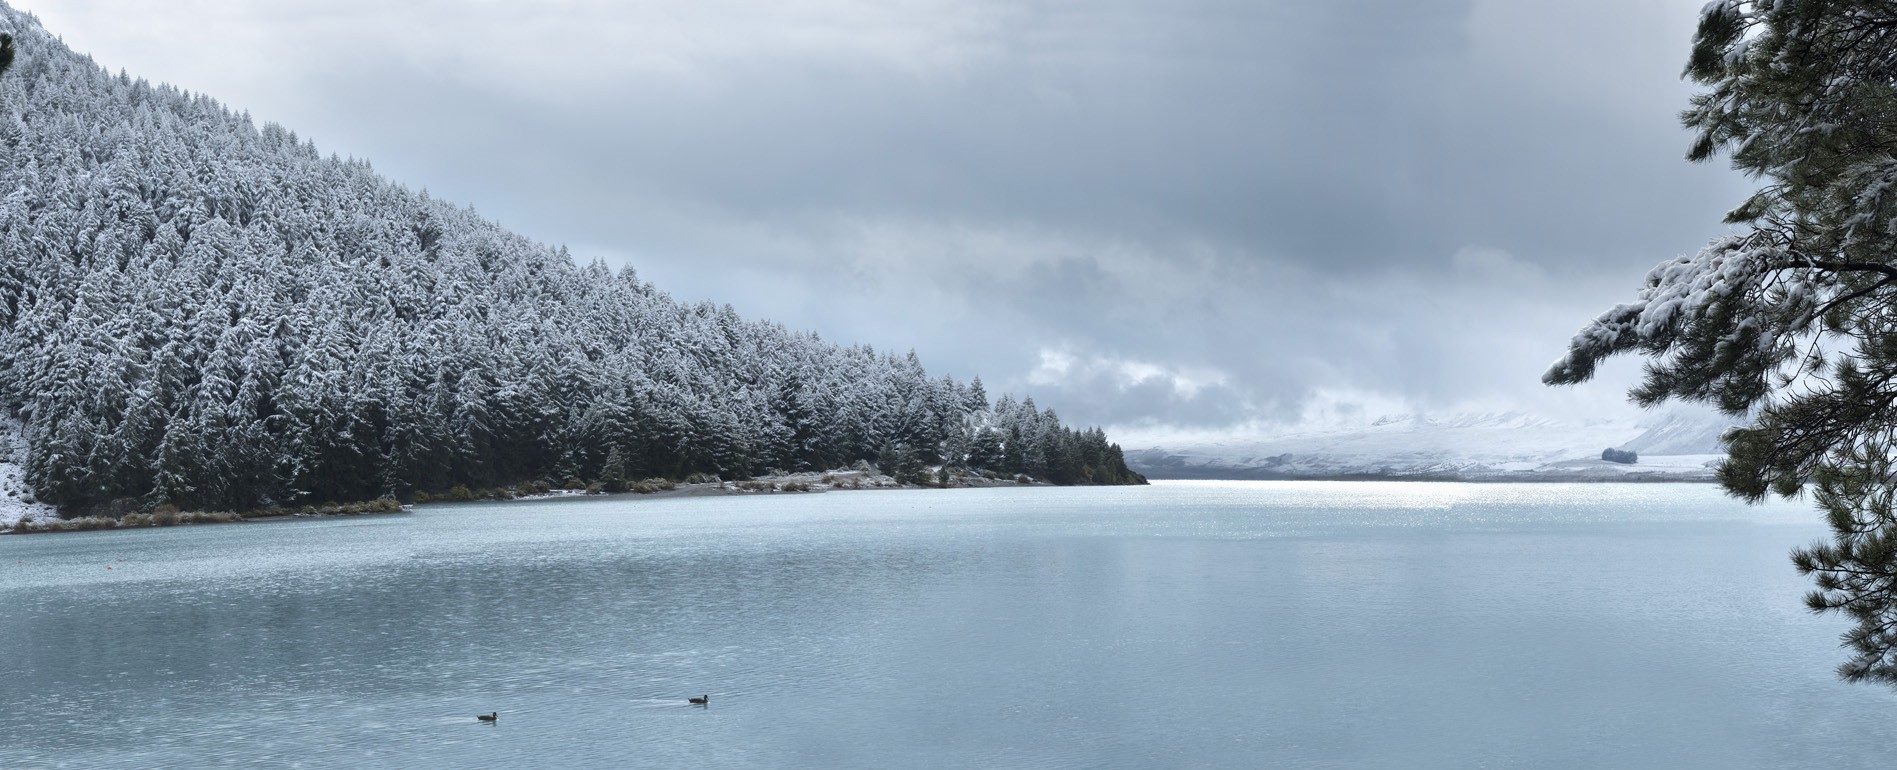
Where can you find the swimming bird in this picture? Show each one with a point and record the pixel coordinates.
(701, 701)
(488, 717)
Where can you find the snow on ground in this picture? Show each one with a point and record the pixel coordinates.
(552, 494)
(1698, 463)
(1674, 445)
(846, 478)
(16, 499)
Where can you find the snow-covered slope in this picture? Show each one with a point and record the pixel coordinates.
(1680, 444)
(16, 499)
(258, 324)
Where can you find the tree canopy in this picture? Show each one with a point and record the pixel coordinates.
(1791, 320)
(198, 310)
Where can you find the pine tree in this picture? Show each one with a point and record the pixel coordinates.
(613, 474)
(985, 451)
(1789, 322)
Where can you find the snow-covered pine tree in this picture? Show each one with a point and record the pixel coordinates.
(198, 310)
(1789, 321)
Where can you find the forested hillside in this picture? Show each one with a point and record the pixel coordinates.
(199, 310)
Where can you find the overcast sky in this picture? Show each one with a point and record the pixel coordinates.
(1189, 216)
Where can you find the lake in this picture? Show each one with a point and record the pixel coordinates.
(1187, 624)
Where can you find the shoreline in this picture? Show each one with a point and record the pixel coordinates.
(1629, 478)
(794, 483)
(786, 484)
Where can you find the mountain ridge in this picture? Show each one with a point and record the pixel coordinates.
(1679, 444)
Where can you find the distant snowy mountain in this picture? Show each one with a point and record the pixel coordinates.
(1680, 444)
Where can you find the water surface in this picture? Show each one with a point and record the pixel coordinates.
(1189, 624)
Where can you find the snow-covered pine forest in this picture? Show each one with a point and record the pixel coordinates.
(199, 310)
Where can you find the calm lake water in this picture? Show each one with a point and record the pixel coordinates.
(1189, 624)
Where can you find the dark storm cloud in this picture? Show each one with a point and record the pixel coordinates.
(1291, 130)
(1182, 214)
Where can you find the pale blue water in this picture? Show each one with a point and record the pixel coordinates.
(1191, 624)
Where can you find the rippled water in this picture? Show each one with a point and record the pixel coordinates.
(1190, 624)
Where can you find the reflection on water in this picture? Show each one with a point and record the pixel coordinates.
(1200, 624)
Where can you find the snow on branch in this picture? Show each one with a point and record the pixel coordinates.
(1681, 292)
